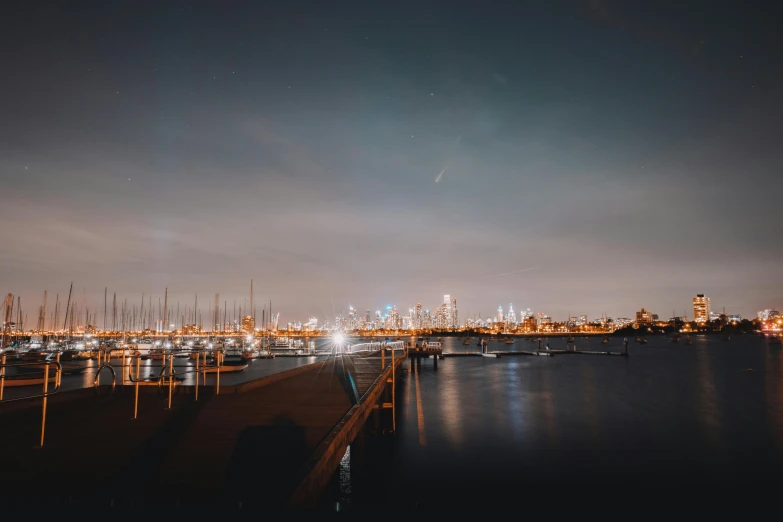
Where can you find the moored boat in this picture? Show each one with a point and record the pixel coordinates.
(230, 363)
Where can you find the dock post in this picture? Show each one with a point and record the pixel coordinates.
(45, 393)
(383, 357)
(122, 367)
(136, 403)
(2, 376)
(197, 358)
(217, 374)
(59, 373)
(171, 377)
(394, 382)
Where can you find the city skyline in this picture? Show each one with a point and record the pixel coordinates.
(375, 154)
(181, 309)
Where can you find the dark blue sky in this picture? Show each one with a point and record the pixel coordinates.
(376, 153)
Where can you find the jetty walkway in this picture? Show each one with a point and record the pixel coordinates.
(272, 443)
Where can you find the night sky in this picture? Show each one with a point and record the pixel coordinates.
(584, 157)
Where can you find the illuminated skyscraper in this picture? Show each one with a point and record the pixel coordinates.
(446, 316)
(701, 308)
(353, 323)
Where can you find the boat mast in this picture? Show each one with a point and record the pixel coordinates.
(19, 325)
(216, 315)
(42, 327)
(67, 308)
(9, 299)
(105, 294)
(166, 309)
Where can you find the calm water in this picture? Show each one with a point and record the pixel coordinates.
(668, 415)
(184, 367)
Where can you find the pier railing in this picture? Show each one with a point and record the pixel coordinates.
(168, 377)
(58, 369)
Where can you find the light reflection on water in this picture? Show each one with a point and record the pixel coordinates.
(183, 367)
(670, 413)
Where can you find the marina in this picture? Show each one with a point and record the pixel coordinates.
(294, 417)
(334, 395)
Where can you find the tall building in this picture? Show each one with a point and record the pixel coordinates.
(446, 313)
(644, 317)
(248, 324)
(701, 308)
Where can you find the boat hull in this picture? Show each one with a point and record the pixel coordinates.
(226, 368)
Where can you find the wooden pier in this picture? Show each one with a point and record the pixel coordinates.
(273, 443)
(547, 353)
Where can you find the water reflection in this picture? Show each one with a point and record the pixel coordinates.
(518, 401)
(590, 397)
(656, 417)
(706, 396)
(548, 408)
(451, 393)
(773, 384)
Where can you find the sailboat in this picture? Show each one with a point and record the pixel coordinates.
(231, 363)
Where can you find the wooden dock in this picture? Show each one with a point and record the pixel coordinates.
(547, 353)
(272, 443)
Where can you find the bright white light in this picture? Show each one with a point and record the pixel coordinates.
(249, 337)
(339, 338)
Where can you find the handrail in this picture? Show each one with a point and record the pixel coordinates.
(161, 378)
(97, 380)
(3, 377)
(45, 395)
